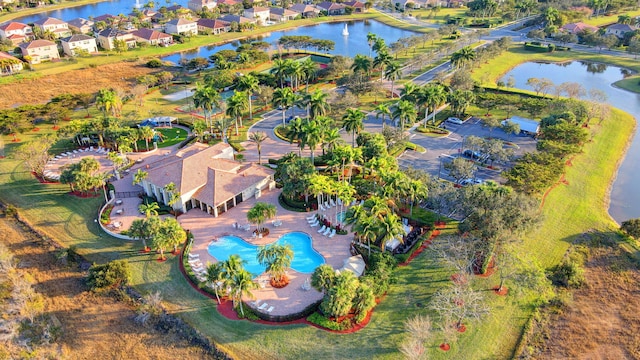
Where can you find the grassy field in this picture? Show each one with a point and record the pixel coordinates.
(608, 20)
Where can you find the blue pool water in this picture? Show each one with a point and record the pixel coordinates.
(305, 258)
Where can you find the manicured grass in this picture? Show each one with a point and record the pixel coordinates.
(630, 84)
(608, 20)
(171, 137)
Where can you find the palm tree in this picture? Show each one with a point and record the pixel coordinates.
(295, 132)
(382, 110)
(371, 39)
(147, 133)
(108, 100)
(199, 127)
(392, 72)
(139, 176)
(207, 98)
(236, 105)
(241, 284)
(174, 234)
(390, 227)
(318, 104)
(258, 137)
(405, 112)
(295, 72)
(260, 213)
(410, 92)
(318, 186)
(310, 70)
(149, 209)
(381, 61)
(459, 100)
(462, 57)
(331, 139)
(379, 45)
(139, 230)
(215, 276)
(222, 125)
(354, 122)
(311, 136)
(277, 259)
(361, 64)
(279, 69)
(250, 84)
(433, 95)
(283, 98)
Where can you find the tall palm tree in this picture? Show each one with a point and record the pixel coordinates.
(410, 92)
(310, 71)
(277, 259)
(236, 105)
(295, 132)
(199, 127)
(207, 98)
(215, 276)
(139, 176)
(462, 57)
(258, 137)
(311, 136)
(222, 125)
(405, 112)
(149, 209)
(354, 122)
(249, 84)
(371, 39)
(382, 110)
(283, 98)
(318, 186)
(381, 61)
(174, 233)
(139, 230)
(295, 72)
(361, 65)
(241, 284)
(331, 139)
(433, 95)
(260, 213)
(318, 104)
(108, 100)
(392, 72)
(147, 133)
(279, 69)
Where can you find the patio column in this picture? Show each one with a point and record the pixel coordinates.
(215, 211)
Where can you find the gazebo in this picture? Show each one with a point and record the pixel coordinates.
(158, 121)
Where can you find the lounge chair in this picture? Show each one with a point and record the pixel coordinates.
(326, 232)
(270, 309)
(263, 306)
(333, 203)
(194, 256)
(339, 201)
(315, 224)
(311, 221)
(323, 228)
(312, 217)
(322, 208)
(327, 205)
(247, 227)
(332, 234)
(277, 223)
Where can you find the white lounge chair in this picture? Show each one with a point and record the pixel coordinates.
(323, 228)
(312, 217)
(315, 224)
(193, 256)
(322, 208)
(327, 205)
(263, 306)
(333, 203)
(326, 232)
(332, 234)
(311, 221)
(339, 201)
(270, 309)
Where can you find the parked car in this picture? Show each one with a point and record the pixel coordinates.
(471, 182)
(455, 120)
(472, 154)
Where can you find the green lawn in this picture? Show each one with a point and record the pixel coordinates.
(607, 20)
(631, 83)
(170, 136)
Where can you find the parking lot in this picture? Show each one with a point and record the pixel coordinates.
(446, 148)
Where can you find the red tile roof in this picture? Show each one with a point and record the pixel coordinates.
(37, 43)
(13, 26)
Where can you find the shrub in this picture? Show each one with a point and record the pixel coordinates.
(154, 63)
(320, 320)
(11, 210)
(106, 215)
(569, 274)
(112, 275)
(630, 227)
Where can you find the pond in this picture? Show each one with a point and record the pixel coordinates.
(625, 197)
(354, 43)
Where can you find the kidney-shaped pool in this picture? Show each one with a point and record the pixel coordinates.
(305, 258)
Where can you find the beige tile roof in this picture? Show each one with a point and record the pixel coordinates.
(223, 185)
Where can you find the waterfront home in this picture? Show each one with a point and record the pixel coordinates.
(9, 64)
(357, 6)
(152, 37)
(38, 51)
(57, 27)
(16, 32)
(282, 15)
(240, 20)
(259, 13)
(332, 8)
(213, 26)
(307, 11)
(81, 25)
(106, 38)
(182, 27)
(79, 43)
(207, 178)
(619, 30)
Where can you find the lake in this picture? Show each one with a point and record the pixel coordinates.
(625, 196)
(354, 43)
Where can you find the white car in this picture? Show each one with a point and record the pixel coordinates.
(471, 182)
(455, 120)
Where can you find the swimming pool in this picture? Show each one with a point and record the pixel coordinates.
(305, 258)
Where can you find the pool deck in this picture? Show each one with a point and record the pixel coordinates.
(292, 298)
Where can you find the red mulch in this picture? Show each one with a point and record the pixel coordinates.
(502, 292)
(15, 140)
(145, 250)
(458, 279)
(83, 195)
(161, 260)
(421, 249)
(281, 284)
(461, 328)
(42, 180)
(445, 347)
(35, 129)
(490, 270)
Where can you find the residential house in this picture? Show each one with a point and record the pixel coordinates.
(152, 37)
(144, 15)
(207, 178)
(578, 28)
(240, 20)
(55, 26)
(9, 64)
(79, 42)
(259, 13)
(213, 26)
(332, 8)
(16, 32)
(307, 11)
(358, 7)
(282, 15)
(182, 27)
(229, 3)
(198, 5)
(106, 38)
(81, 26)
(404, 4)
(38, 51)
(110, 20)
(619, 30)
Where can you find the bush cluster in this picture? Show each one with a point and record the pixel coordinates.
(109, 276)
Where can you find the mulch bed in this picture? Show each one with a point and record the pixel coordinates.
(502, 292)
(445, 347)
(425, 245)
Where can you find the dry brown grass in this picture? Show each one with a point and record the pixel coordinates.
(121, 75)
(603, 321)
(93, 327)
